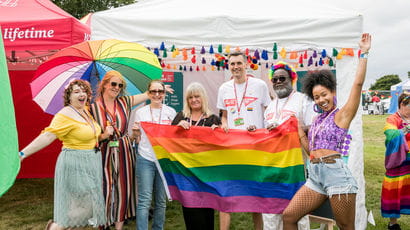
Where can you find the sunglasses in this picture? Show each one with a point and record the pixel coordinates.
(156, 91)
(278, 79)
(114, 84)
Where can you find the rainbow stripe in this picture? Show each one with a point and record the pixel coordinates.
(395, 198)
(236, 172)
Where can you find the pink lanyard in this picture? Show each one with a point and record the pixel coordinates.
(152, 116)
(243, 96)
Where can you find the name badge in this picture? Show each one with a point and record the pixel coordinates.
(239, 121)
(113, 144)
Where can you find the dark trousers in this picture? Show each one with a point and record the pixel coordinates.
(198, 218)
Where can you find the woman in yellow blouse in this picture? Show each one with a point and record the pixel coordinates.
(78, 197)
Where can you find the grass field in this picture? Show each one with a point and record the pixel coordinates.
(29, 203)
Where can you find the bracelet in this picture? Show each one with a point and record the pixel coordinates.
(364, 55)
(22, 155)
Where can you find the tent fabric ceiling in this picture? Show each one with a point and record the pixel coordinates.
(256, 24)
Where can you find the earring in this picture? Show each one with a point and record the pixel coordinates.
(335, 101)
(317, 109)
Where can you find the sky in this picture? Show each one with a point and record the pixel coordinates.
(388, 21)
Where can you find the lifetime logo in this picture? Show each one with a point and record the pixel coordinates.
(13, 34)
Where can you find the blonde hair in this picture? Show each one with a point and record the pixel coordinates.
(196, 88)
(106, 79)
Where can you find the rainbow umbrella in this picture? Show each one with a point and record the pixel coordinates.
(89, 61)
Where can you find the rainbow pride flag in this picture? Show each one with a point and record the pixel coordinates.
(395, 199)
(239, 171)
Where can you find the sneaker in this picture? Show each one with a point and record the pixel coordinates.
(393, 227)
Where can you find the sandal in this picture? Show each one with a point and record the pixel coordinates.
(49, 223)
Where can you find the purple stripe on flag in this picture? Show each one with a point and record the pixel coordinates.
(229, 204)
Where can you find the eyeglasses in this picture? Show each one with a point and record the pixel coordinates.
(114, 84)
(278, 79)
(156, 91)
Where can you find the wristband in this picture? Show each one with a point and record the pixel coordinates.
(22, 155)
(364, 55)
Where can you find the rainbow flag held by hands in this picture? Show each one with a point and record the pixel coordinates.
(239, 171)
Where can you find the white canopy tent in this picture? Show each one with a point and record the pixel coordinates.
(293, 25)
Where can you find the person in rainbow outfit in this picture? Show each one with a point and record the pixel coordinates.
(395, 199)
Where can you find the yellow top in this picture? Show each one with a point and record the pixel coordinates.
(74, 134)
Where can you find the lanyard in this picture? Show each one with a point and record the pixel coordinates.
(152, 116)
(197, 122)
(112, 118)
(89, 121)
(238, 106)
(316, 129)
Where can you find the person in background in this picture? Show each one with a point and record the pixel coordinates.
(396, 184)
(78, 196)
(242, 101)
(287, 102)
(196, 112)
(149, 180)
(113, 108)
(329, 177)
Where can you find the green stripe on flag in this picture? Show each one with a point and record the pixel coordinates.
(9, 160)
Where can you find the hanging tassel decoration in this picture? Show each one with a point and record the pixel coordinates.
(193, 51)
(310, 61)
(324, 53)
(164, 54)
(211, 49)
(219, 48)
(172, 48)
(305, 56)
(314, 54)
(265, 55)
(203, 50)
(331, 62)
(193, 59)
(320, 61)
(256, 55)
(301, 59)
(275, 47)
(247, 52)
(283, 53)
(156, 52)
(227, 49)
(335, 53)
(203, 60)
(162, 46)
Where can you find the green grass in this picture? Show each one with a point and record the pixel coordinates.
(29, 203)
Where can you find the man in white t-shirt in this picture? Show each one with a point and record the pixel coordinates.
(242, 101)
(287, 102)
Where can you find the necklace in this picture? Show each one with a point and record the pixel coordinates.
(89, 121)
(197, 122)
(152, 115)
(316, 128)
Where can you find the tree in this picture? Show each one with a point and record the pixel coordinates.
(385, 82)
(80, 8)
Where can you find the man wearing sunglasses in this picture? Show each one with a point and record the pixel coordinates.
(286, 103)
(242, 101)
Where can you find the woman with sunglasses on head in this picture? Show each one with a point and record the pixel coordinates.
(113, 108)
(329, 177)
(149, 181)
(78, 196)
(396, 184)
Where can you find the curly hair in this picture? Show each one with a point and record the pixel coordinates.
(324, 78)
(84, 85)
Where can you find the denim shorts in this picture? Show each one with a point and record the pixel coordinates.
(331, 178)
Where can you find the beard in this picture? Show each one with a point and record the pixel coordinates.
(283, 91)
